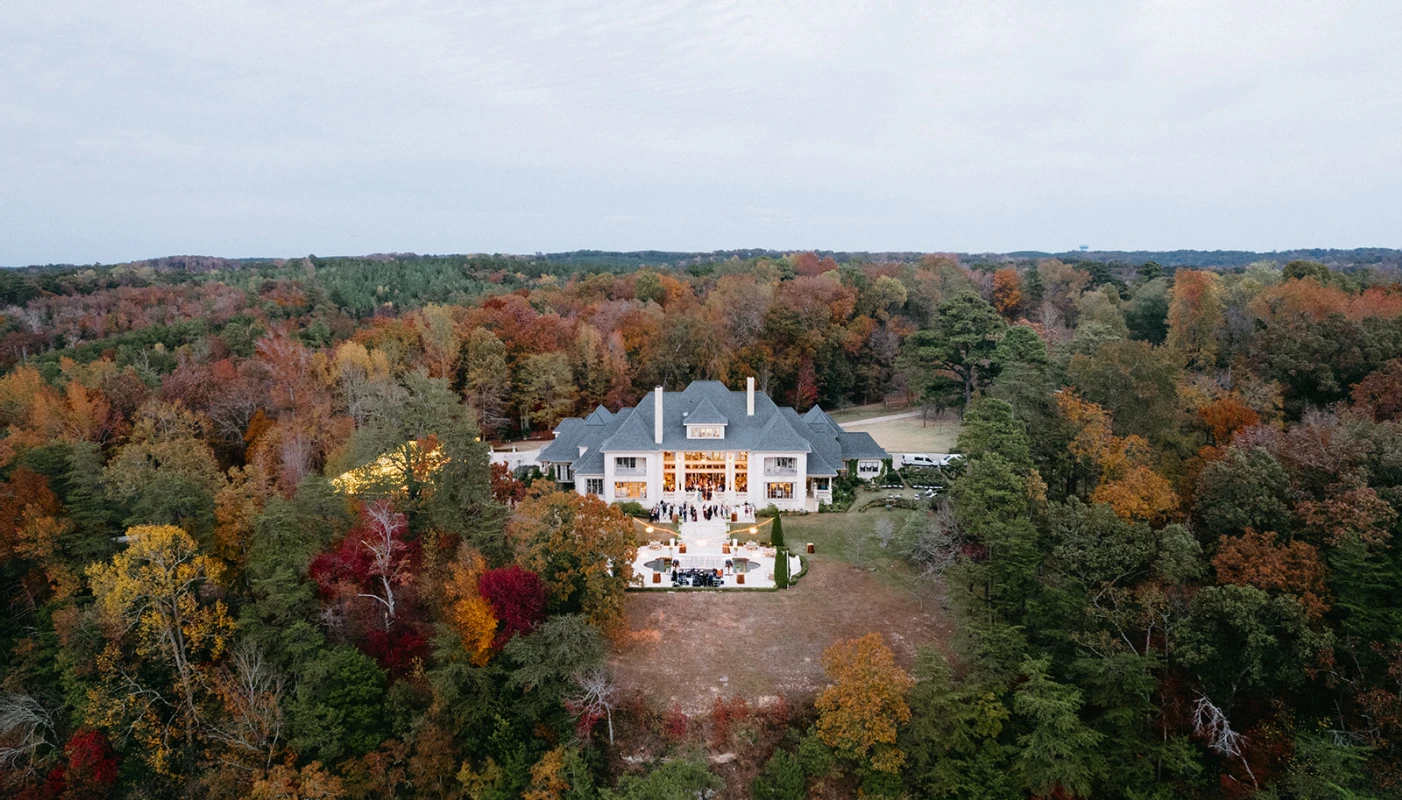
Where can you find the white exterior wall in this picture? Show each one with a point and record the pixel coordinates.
(759, 479)
(650, 469)
(650, 465)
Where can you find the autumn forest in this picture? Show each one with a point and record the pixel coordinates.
(1168, 558)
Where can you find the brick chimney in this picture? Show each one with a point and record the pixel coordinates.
(657, 415)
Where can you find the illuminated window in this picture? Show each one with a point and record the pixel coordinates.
(705, 431)
(630, 490)
(779, 491)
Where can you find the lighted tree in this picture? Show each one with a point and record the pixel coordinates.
(861, 711)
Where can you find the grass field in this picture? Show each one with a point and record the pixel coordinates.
(910, 435)
(855, 413)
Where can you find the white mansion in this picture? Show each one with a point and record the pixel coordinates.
(709, 443)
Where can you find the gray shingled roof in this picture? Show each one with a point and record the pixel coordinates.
(706, 413)
(632, 435)
(770, 429)
(859, 444)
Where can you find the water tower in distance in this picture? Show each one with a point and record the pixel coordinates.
(1083, 248)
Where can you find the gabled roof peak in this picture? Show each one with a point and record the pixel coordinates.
(706, 413)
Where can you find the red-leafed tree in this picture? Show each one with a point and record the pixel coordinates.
(506, 489)
(368, 579)
(517, 597)
(91, 768)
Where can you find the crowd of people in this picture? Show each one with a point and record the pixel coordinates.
(706, 485)
(696, 512)
(698, 577)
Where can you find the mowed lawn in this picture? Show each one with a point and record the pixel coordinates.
(855, 413)
(910, 435)
(686, 648)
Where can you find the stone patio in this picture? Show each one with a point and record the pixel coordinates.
(732, 549)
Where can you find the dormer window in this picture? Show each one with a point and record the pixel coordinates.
(705, 431)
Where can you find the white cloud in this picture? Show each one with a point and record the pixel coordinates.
(256, 127)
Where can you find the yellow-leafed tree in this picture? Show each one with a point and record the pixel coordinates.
(468, 612)
(862, 709)
(150, 596)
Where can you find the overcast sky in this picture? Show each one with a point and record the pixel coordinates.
(266, 127)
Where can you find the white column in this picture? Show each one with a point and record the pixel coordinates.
(681, 473)
(730, 473)
(654, 479)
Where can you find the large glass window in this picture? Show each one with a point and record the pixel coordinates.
(705, 431)
(594, 485)
(629, 465)
(779, 491)
(781, 465)
(630, 490)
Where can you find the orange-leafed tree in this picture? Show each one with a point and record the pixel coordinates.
(1225, 416)
(1007, 293)
(1125, 481)
(1261, 560)
(548, 777)
(467, 611)
(35, 414)
(582, 549)
(861, 711)
(1380, 393)
(1195, 316)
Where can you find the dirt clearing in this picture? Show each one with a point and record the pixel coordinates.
(688, 648)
